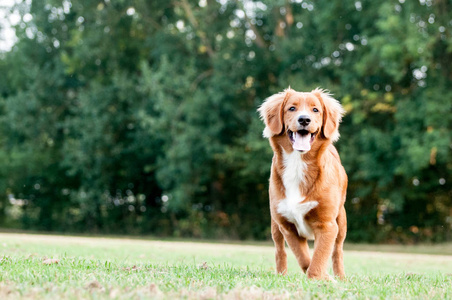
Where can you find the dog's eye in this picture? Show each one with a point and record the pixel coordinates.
(292, 108)
(315, 110)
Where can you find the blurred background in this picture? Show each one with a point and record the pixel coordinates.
(139, 117)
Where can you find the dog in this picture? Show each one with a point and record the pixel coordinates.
(308, 183)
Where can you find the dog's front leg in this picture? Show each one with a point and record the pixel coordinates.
(298, 245)
(325, 236)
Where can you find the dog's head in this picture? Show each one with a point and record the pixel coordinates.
(302, 117)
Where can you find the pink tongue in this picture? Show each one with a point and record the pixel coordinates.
(301, 142)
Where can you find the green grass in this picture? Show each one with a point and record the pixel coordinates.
(113, 268)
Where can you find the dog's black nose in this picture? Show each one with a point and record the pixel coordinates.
(304, 120)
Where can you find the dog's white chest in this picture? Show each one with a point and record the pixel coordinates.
(292, 207)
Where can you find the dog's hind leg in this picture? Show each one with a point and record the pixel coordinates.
(280, 255)
(338, 257)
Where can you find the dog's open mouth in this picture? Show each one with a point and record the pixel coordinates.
(301, 139)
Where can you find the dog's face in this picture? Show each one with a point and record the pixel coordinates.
(303, 118)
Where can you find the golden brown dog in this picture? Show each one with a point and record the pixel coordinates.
(307, 183)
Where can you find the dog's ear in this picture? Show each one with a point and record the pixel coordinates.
(272, 115)
(332, 114)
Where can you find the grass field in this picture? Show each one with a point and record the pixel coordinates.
(49, 267)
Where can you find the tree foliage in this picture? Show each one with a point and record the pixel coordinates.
(140, 116)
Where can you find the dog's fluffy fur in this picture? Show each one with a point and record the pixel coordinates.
(307, 183)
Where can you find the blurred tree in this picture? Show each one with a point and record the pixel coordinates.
(35, 105)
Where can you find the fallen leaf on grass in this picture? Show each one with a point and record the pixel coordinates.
(134, 268)
(50, 261)
(155, 289)
(203, 266)
(94, 285)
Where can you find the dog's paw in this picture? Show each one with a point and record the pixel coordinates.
(325, 277)
(330, 278)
